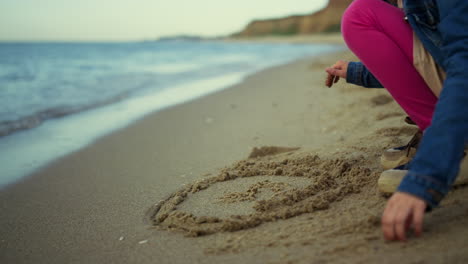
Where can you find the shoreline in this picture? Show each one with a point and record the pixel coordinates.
(318, 38)
(58, 137)
(91, 206)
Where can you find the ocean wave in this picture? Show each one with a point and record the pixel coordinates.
(36, 119)
(54, 80)
(173, 68)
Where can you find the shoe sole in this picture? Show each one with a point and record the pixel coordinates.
(394, 158)
(389, 180)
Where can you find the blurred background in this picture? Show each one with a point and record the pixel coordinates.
(123, 20)
(73, 71)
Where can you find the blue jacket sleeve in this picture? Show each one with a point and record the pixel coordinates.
(358, 74)
(437, 161)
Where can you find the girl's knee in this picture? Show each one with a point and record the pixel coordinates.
(358, 17)
(354, 13)
(349, 19)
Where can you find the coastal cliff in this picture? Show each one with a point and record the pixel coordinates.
(325, 20)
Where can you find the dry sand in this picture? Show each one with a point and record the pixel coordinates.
(185, 185)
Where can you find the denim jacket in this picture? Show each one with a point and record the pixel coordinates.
(442, 27)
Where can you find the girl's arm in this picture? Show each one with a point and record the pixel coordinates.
(354, 72)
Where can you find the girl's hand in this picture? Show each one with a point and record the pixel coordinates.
(402, 211)
(335, 72)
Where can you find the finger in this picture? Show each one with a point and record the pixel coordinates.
(418, 216)
(337, 67)
(400, 223)
(387, 222)
(337, 78)
(340, 73)
(331, 71)
(329, 80)
(408, 222)
(334, 71)
(339, 64)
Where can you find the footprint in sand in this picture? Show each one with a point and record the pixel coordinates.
(383, 116)
(381, 100)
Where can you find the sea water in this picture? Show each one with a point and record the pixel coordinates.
(56, 98)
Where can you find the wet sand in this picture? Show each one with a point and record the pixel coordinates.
(185, 185)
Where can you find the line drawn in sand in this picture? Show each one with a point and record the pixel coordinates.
(263, 188)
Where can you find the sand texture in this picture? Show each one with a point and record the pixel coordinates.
(285, 171)
(325, 181)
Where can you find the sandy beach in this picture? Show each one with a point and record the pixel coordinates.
(276, 169)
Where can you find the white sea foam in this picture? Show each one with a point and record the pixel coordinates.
(173, 68)
(24, 152)
(119, 83)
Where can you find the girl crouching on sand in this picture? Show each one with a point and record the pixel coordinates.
(418, 51)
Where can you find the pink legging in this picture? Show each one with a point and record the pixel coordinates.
(380, 37)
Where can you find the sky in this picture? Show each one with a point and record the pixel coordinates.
(126, 20)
